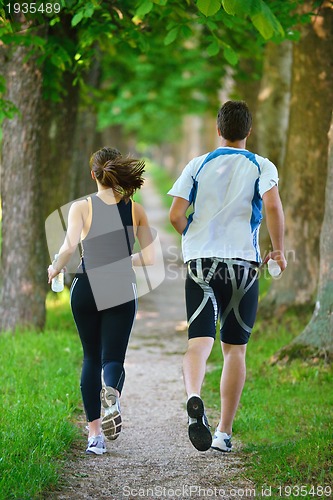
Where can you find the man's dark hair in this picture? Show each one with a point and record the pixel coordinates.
(234, 120)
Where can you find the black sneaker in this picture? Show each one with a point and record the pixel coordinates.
(198, 428)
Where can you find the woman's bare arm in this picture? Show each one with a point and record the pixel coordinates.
(72, 238)
(146, 256)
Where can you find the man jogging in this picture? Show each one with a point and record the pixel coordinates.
(226, 189)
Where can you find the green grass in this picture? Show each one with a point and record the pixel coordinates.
(39, 398)
(285, 418)
(284, 421)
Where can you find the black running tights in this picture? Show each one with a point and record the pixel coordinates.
(104, 336)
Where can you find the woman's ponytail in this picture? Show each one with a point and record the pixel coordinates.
(123, 175)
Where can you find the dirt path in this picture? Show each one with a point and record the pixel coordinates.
(153, 457)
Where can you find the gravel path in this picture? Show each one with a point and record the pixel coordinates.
(153, 457)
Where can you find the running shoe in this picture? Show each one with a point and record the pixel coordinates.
(198, 427)
(96, 445)
(111, 422)
(221, 441)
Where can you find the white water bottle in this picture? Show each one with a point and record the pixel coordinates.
(57, 284)
(273, 268)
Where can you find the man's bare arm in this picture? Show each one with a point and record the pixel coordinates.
(178, 214)
(275, 226)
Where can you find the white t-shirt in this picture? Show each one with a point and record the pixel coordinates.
(225, 188)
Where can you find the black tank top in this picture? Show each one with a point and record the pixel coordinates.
(111, 236)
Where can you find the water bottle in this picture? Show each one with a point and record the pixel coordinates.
(273, 268)
(57, 284)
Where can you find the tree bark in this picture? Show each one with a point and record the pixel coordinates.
(247, 87)
(274, 102)
(23, 276)
(306, 159)
(319, 332)
(273, 112)
(57, 146)
(86, 139)
(36, 180)
(58, 128)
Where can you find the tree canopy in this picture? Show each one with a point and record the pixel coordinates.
(158, 59)
(140, 64)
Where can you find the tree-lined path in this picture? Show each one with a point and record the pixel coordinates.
(148, 77)
(153, 451)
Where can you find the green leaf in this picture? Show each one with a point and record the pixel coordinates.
(266, 22)
(7, 109)
(236, 8)
(26, 40)
(208, 7)
(57, 61)
(160, 2)
(186, 31)
(230, 55)
(54, 21)
(77, 18)
(88, 12)
(264, 27)
(214, 48)
(171, 36)
(212, 26)
(261, 16)
(2, 84)
(171, 24)
(144, 9)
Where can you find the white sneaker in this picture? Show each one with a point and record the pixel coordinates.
(111, 422)
(221, 441)
(96, 445)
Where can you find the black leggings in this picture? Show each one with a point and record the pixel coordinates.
(104, 336)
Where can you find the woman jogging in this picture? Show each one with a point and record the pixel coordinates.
(103, 292)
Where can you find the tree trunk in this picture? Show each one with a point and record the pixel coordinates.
(23, 275)
(57, 146)
(306, 159)
(319, 332)
(86, 139)
(247, 87)
(36, 180)
(58, 128)
(273, 112)
(274, 102)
